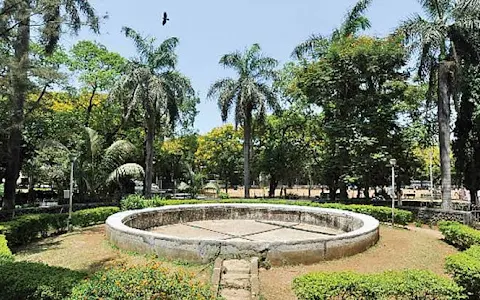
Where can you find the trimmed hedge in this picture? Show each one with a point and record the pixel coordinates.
(459, 235)
(153, 281)
(408, 284)
(383, 214)
(464, 267)
(27, 228)
(5, 253)
(26, 280)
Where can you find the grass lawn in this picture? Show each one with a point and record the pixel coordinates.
(413, 248)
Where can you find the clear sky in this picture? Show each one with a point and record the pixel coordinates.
(208, 29)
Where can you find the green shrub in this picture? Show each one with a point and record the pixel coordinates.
(131, 202)
(92, 216)
(464, 267)
(223, 195)
(459, 235)
(5, 253)
(26, 228)
(26, 280)
(408, 284)
(152, 281)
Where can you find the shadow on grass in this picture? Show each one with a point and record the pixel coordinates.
(101, 265)
(37, 247)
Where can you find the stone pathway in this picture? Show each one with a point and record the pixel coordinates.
(236, 279)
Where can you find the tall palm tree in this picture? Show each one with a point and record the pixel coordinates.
(153, 88)
(354, 21)
(17, 18)
(250, 92)
(439, 39)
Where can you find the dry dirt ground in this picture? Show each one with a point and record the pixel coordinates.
(89, 251)
(413, 248)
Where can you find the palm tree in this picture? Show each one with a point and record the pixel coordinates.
(439, 40)
(96, 167)
(251, 91)
(15, 31)
(316, 45)
(152, 88)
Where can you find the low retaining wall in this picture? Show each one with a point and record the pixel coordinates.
(127, 230)
(433, 215)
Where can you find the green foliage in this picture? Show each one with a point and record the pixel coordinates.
(152, 281)
(381, 213)
(92, 216)
(135, 201)
(223, 195)
(464, 267)
(5, 253)
(26, 280)
(405, 285)
(220, 152)
(459, 235)
(26, 228)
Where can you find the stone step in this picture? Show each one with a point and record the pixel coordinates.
(235, 280)
(236, 266)
(235, 294)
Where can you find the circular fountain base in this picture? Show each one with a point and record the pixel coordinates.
(279, 234)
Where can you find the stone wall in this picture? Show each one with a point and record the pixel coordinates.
(433, 216)
(126, 230)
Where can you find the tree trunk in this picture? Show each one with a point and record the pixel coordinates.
(149, 139)
(272, 188)
(90, 106)
(19, 81)
(343, 191)
(332, 189)
(444, 131)
(247, 137)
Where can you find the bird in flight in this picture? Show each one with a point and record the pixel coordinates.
(165, 18)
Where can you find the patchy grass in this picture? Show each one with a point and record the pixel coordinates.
(88, 250)
(397, 249)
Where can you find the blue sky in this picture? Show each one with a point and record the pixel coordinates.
(210, 28)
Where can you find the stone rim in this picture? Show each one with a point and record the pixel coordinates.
(370, 224)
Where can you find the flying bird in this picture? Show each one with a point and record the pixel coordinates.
(165, 18)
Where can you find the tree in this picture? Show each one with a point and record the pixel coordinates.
(98, 69)
(249, 92)
(316, 46)
(96, 166)
(438, 41)
(219, 153)
(16, 23)
(358, 84)
(152, 88)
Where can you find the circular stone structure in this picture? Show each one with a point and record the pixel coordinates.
(277, 234)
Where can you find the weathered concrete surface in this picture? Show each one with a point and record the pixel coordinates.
(280, 234)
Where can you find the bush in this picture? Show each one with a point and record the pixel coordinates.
(5, 253)
(132, 202)
(464, 267)
(92, 216)
(152, 281)
(223, 195)
(408, 284)
(26, 228)
(459, 235)
(26, 280)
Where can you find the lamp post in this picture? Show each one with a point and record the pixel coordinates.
(393, 162)
(70, 206)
